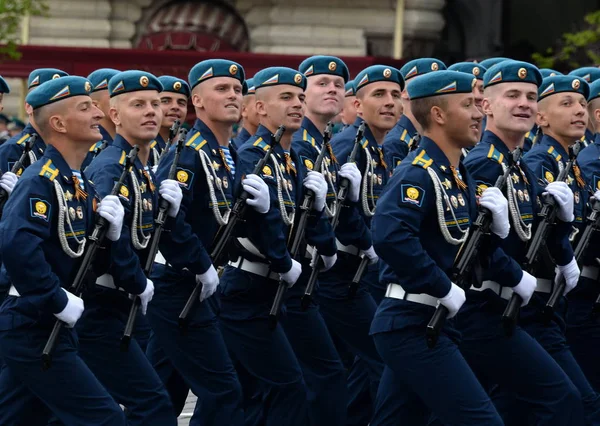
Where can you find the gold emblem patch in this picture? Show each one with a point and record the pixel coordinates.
(124, 191)
(87, 86)
(413, 193)
(40, 207)
(55, 76)
(177, 85)
(522, 73)
(233, 69)
(435, 66)
(576, 84)
(387, 73)
(332, 66)
(298, 78)
(549, 177)
(308, 164)
(144, 81)
(267, 171)
(475, 70)
(182, 176)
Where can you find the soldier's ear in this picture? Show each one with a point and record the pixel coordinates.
(358, 106)
(596, 117)
(486, 105)
(57, 124)
(261, 108)
(541, 119)
(437, 115)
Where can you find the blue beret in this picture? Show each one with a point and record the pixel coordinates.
(470, 68)
(273, 76)
(15, 124)
(210, 68)
(251, 90)
(350, 89)
(42, 75)
(510, 71)
(133, 81)
(594, 90)
(4, 86)
(100, 78)
(561, 84)
(376, 73)
(421, 66)
(547, 72)
(589, 74)
(316, 65)
(490, 62)
(440, 83)
(57, 90)
(174, 85)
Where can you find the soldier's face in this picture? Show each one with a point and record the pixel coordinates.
(463, 119)
(379, 104)
(138, 115)
(101, 99)
(564, 115)
(249, 113)
(349, 110)
(174, 107)
(1, 99)
(325, 95)
(478, 95)
(511, 107)
(219, 99)
(81, 119)
(283, 104)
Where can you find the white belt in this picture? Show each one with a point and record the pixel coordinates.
(395, 291)
(256, 268)
(107, 281)
(504, 292)
(159, 258)
(544, 286)
(590, 272)
(12, 291)
(249, 245)
(347, 249)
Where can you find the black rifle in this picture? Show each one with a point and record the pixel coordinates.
(467, 255)
(341, 199)
(305, 208)
(97, 237)
(163, 206)
(548, 214)
(173, 130)
(16, 167)
(218, 253)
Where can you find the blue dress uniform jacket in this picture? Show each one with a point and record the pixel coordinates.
(242, 136)
(94, 149)
(38, 271)
(11, 150)
(156, 148)
(398, 141)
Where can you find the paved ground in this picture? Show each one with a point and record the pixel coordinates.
(184, 419)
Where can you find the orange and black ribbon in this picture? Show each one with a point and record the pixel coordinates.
(578, 177)
(459, 183)
(289, 167)
(149, 179)
(80, 194)
(222, 154)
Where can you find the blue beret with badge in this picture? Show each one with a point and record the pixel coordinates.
(251, 90)
(133, 81)
(490, 62)
(42, 75)
(174, 85)
(594, 91)
(421, 66)
(57, 90)
(211, 68)
(510, 71)
(470, 68)
(562, 84)
(350, 89)
(4, 86)
(440, 83)
(319, 64)
(547, 72)
(100, 78)
(274, 76)
(376, 73)
(15, 124)
(589, 74)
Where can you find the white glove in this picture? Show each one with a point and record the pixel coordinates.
(210, 281)
(453, 300)
(154, 168)
(526, 287)
(316, 182)
(291, 276)
(493, 200)
(328, 262)
(596, 195)
(72, 311)
(350, 171)
(371, 255)
(8, 181)
(147, 295)
(570, 272)
(111, 209)
(259, 191)
(564, 198)
(171, 191)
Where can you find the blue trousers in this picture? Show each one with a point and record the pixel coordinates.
(199, 356)
(68, 390)
(427, 381)
(128, 376)
(266, 354)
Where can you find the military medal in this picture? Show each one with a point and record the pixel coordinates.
(79, 212)
(526, 195)
(149, 205)
(219, 182)
(461, 200)
(225, 182)
(454, 201)
(521, 197)
(72, 213)
(515, 178)
(145, 204)
(143, 187)
(576, 196)
(68, 195)
(447, 184)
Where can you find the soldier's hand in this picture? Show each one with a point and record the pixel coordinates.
(316, 182)
(111, 209)
(493, 200)
(171, 191)
(350, 171)
(259, 191)
(72, 312)
(526, 287)
(371, 255)
(210, 281)
(147, 295)
(291, 276)
(570, 272)
(8, 181)
(564, 200)
(453, 300)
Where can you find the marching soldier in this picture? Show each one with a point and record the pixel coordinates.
(478, 71)
(135, 110)
(349, 110)
(206, 173)
(417, 230)
(50, 243)
(590, 75)
(250, 119)
(4, 89)
(517, 363)
(405, 133)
